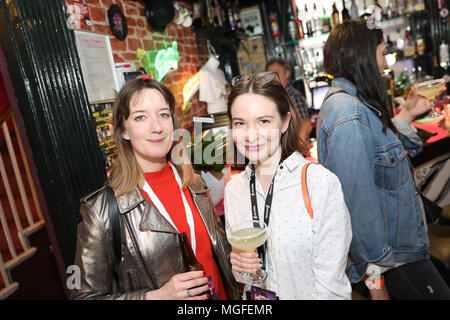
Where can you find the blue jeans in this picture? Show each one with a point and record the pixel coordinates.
(416, 281)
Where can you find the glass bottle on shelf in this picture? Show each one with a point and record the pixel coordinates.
(309, 25)
(316, 19)
(444, 60)
(419, 5)
(229, 10)
(354, 12)
(237, 14)
(345, 14)
(217, 16)
(390, 10)
(420, 42)
(292, 27)
(378, 12)
(326, 22)
(401, 8)
(409, 48)
(335, 16)
(207, 14)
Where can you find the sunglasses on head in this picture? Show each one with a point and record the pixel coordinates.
(260, 77)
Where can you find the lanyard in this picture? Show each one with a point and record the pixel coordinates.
(163, 211)
(255, 214)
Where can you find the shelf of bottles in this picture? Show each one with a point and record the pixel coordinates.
(309, 27)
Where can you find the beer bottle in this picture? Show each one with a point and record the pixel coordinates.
(191, 263)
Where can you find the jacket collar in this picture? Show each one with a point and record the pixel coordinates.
(344, 84)
(152, 219)
(291, 162)
(129, 201)
(347, 85)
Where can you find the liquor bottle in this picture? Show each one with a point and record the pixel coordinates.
(217, 16)
(419, 5)
(229, 10)
(326, 22)
(292, 27)
(378, 12)
(189, 260)
(300, 33)
(237, 14)
(335, 16)
(444, 59)
(390, 11)
(308, 19)
(316, 21)
(409, 48)
(420, 42)
(354, 12)
(401, 8)
(207, 14)
(344, 12)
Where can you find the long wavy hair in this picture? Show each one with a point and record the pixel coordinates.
(274, 91)
(126, 173)
(350, 52)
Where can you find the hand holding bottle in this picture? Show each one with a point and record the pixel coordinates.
(184, 286)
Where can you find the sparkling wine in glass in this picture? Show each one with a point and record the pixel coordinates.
(430, 90)
(247, 237)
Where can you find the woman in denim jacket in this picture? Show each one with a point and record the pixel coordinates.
(364, 145)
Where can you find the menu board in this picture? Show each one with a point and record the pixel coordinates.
(97, 65)
(103, 113)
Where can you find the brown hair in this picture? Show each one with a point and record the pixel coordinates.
(286, 66)
(273, 90)
(126, 173)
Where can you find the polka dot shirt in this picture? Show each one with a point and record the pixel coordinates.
(306, 258)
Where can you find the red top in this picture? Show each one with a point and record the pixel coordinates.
(166, 188)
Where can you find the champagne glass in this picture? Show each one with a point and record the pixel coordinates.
(430, 90)
(248, 236)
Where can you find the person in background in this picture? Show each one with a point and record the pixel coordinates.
(306, 251)
(283, 68)
(158, 196)
(364, 145)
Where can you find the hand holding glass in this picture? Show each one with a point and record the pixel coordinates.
(431, 89)
(247, 237)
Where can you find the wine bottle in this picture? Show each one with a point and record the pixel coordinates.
(344, 12)
(335, 16)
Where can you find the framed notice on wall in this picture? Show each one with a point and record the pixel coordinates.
(97, 65)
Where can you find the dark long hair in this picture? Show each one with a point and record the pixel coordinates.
(274, 91)
(350, 52)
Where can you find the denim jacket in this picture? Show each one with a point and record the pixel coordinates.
(379, 190)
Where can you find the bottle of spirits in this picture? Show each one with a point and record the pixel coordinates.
(237, 14)
(309, 25)
(316, 21)
(335, 16)
(326, 22)
(354, 12)
(292, 27)
(345, 14)
(378, 12)
(217, 14)
(420, 42)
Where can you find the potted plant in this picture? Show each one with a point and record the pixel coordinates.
(208, 153)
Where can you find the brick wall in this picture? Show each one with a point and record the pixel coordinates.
(140, 35)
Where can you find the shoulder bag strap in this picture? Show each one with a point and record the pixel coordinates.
(305, 191)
